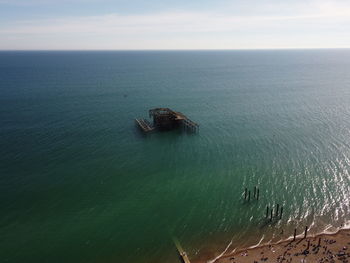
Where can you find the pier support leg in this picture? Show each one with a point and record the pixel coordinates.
(271, 214)
(281, 212)
(305, 234)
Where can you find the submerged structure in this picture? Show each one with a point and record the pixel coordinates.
(166, 119)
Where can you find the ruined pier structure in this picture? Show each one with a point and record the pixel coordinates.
(167, 119)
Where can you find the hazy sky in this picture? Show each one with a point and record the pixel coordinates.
(174, 24)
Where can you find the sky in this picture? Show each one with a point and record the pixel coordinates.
(173, 24)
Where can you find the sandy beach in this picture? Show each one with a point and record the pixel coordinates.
(320, 248)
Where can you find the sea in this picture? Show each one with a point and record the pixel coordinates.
(80, 183)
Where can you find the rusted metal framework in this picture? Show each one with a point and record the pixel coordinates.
(167, 119)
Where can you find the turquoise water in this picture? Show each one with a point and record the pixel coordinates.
(80, 183)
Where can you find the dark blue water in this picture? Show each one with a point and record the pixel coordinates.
(80, 183)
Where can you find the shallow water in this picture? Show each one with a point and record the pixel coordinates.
(79, 182)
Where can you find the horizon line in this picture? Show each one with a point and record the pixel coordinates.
(208, 49)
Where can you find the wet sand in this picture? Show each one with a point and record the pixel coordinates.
(320, 248)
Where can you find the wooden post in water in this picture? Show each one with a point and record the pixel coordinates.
(319, 242)
(257, 195)
(295, 234)
(249, 195)
(305, 234)
(182, 253)
(254, 191)
(278, 206)
(245, 193)
(267, 211)
(281, 212)
(271, 214)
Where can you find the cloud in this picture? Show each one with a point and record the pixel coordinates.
(164, 22)
(170, 29)
(43, 2)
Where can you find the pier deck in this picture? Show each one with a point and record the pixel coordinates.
(144, 125)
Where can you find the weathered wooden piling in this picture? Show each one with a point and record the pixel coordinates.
(308, 245)
(295, 234)
(281, 212)
(249, 195)
(278, 206)
(257, 195)
(319, 242)
(305, 234)
(267, 211)
(254, 191)
(245, 193)
(181, 251)
(271, 214)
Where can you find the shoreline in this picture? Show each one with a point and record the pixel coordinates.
(322, 247)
